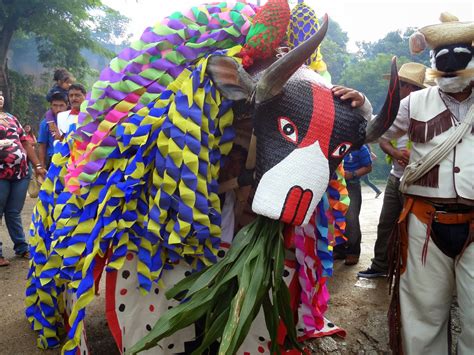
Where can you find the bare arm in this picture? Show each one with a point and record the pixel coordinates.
(401, 123)
(395, 153)
(30, 151)
(348, 175)
(42, 153)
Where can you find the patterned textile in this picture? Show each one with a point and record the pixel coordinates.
(13, 162)
(267, 32)
(303, 24)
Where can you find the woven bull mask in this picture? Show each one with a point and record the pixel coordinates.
(302, 130)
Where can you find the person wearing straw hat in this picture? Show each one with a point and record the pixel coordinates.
(412, 77)
(433, 250)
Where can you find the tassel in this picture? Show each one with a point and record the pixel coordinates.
(398, 245)
(432, 74)
(422, 132)
(424, 252)
(393, 314)
(430, 179)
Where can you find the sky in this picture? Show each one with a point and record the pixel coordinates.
(363, 20)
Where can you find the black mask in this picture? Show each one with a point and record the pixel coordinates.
(453, 57)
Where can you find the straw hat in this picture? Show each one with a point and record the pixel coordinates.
(412, 73)
(449, 31)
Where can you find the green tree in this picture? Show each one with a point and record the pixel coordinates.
(394, 43)
(366, 75)
(61, 30)
(334, 50)
(28, 99)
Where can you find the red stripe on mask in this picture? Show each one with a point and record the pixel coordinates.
(322, 120)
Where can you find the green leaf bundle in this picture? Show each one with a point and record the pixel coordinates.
(230, 293)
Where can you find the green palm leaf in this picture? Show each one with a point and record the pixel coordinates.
(229, 294)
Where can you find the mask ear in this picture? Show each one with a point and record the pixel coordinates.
(232, 81)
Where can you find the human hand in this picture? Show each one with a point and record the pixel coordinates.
(402, 156)
(57, 136)
(40, 173)
(357, 98)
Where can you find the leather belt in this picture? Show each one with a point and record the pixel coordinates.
(453, 218)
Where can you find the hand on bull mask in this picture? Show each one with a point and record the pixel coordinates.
(356, 97)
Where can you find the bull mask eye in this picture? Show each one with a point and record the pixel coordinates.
(341, 150)
(288, 129)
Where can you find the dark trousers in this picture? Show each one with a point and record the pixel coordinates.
(353, 233)
(12, 199)
(391, 208)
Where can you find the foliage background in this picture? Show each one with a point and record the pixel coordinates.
(37, 36)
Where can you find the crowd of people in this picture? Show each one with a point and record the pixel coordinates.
(25, 157)
(431, 243)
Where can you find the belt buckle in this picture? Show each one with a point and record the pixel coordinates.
(435, 218)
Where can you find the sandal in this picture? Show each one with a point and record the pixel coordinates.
(4, 262)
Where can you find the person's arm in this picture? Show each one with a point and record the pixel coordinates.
(348, 175)
(401, 123)
(30, 151)
(395, 153)
(43, 136)
(42, 153)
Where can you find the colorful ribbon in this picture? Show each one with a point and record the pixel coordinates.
(313, 250)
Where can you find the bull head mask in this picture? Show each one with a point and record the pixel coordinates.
(302, 130)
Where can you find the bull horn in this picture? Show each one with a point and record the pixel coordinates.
(275, 77)
(378, 125)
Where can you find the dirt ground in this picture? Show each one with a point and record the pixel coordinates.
(358, 306)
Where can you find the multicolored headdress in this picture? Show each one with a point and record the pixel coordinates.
(303, 24)
(267, 32)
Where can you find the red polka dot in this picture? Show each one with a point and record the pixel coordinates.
(123, 291)
(152, 308)
(261, 350)
(129, 256)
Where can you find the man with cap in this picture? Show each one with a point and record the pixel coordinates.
(434, 253)
(412, 76)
